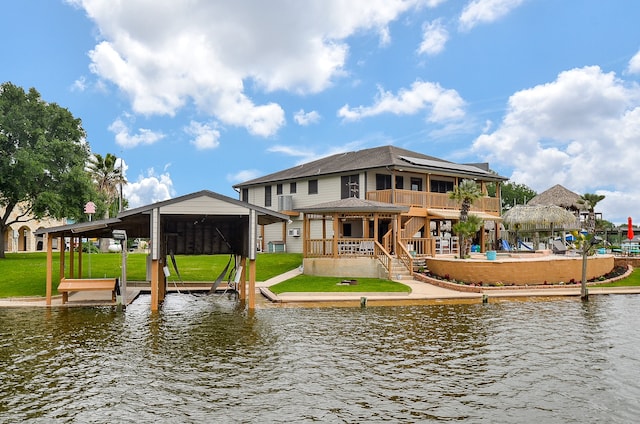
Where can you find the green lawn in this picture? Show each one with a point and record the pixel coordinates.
(630, 281)
(24, 274)
(310, 283)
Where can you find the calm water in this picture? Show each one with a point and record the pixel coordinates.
(203, 359)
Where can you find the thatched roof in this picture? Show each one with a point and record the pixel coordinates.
(540, 216)
(559, 196)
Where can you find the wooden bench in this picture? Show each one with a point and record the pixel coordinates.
(87, 284)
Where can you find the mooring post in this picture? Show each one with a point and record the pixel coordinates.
(485, 298)
(363, 302)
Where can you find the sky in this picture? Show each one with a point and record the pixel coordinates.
(197, 94)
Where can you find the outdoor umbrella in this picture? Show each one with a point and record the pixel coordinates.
(629, 229)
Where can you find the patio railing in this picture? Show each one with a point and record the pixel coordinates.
(423, 199)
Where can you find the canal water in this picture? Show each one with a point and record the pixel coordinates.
(205, 359)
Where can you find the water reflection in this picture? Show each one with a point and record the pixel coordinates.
(204, 359)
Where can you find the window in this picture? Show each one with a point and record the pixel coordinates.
(245, 194)
(399, 182)
(292, 188)
(383, 182)
(313, 186)
(267, 196)
(416, 184)
(439, 186)
(279, 189)
(349, 186)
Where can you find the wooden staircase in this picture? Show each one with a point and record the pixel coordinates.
(412, 226)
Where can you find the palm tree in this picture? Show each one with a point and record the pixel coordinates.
(466, 193)
(466, 230)
(106, 177)
(589, 202)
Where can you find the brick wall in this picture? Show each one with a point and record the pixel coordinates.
(550, 269)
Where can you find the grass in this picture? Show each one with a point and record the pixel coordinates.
(310, 283)
(631, 281)
(24, 274)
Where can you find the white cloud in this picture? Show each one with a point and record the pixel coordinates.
(634, 64)
(79, 85)
(205, 136)
(485, 11)
(244, 175)
(434, 38)
(125, 139)
(442, 104)
(581, 131)
(306, 118)
(149, 189)
(166, 54)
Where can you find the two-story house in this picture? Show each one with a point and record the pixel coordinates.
(383, 202)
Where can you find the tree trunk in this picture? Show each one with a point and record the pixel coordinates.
(2, 246)
(584, 293)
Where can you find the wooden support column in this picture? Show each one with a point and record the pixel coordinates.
(375, 226)
(61, 248)
(72, 249)
(79, 257)
(324, 234)
(499, 196)
(49, 274)
(284, 234)
(252, 284)
(336, 234)
(305, 235)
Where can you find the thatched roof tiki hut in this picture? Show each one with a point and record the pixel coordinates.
(545, 218)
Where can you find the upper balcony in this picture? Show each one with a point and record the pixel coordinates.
(421, 199)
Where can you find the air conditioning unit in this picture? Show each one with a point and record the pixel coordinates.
(294, 232)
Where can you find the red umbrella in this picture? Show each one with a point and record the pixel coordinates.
(629, 229)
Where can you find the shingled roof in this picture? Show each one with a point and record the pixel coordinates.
(377, 157)
(559, 196)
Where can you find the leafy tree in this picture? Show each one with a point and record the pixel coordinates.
(589, 202)
(466, 193)
(42, 158)
(466, 230)
(512, 193)
(107, 179)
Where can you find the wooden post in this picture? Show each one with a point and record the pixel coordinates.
(336, 234)
(49, 268)
(252, 284)
(72, 248)
(62, 249)
(79, 257)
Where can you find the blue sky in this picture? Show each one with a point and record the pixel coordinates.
(197, 95)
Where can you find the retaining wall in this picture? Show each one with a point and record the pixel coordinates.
(551, 269)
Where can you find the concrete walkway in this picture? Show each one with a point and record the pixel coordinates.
(420, 292)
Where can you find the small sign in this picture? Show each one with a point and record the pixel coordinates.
(90, 208)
